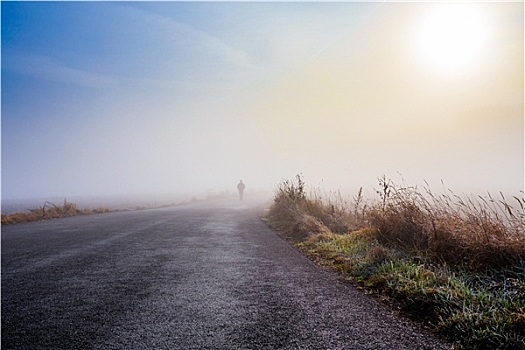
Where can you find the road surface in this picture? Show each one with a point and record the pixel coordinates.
(201, 276)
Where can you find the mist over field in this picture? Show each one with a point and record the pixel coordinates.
(184, 99)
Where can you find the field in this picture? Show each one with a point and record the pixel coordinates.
(456, 264)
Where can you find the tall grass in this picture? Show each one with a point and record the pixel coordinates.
(49, 211)
(456, 263)
(477, 232)
(298, 213)
(473, 232)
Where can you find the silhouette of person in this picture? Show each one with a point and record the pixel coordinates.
(241, 187)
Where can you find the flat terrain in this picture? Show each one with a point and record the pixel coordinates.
(201, 276)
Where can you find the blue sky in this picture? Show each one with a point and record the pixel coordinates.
(163, 97)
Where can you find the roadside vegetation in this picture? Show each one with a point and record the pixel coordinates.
(67, 209)
(454, 263)
(49, 211)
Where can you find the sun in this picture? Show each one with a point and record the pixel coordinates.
(452, 36)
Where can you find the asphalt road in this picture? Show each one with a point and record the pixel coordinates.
(201, 276)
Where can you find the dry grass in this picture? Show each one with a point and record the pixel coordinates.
(49, 211)
(298, 215)
(476, 233)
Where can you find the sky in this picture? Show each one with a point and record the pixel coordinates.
(116, 98)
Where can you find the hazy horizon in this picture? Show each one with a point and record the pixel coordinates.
(160, 98)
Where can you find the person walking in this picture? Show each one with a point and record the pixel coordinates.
(240, 187)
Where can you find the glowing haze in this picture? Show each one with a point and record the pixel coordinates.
(162, 97)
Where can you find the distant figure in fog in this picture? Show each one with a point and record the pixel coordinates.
(241, 187)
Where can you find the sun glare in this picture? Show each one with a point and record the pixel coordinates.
(452, 36)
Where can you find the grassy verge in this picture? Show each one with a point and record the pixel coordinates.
(49, 211)
(455, 264)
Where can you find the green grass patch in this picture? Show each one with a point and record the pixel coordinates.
(473, 310)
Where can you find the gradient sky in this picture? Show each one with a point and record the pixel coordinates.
(112, 98)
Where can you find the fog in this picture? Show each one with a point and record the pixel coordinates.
(179, 100)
